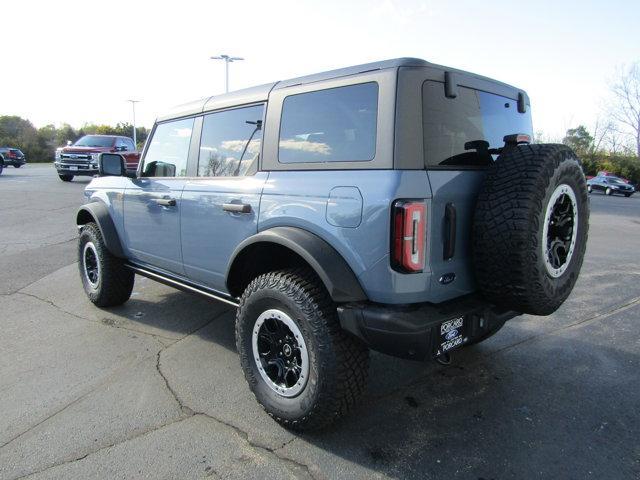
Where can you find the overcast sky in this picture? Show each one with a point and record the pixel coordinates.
(77, 62)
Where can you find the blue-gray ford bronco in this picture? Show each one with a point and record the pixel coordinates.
(398, 206)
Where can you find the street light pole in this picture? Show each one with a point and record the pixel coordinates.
(227, 60)
(133, 105)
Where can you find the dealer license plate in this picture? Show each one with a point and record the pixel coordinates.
(451, 334)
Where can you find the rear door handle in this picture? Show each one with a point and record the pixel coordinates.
(165, 202)
(449, 249)
(236, 207)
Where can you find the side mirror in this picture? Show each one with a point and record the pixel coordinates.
(111, 164)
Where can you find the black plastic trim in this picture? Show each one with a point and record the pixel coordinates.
(412, 331)
(182, 284)
(336, 275)
(450, 221)
(99, 212)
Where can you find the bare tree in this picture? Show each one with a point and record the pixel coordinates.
(601, 131)
(626, 105)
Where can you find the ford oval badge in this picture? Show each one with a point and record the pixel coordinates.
(447, 278)
(451, 334)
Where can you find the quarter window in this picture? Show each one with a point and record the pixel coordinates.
(169, 149)
(230, 142)
(333, 125)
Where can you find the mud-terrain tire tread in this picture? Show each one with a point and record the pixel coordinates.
(344, 360)
(116, 280)
(507, 257)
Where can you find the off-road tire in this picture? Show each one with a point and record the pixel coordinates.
(115, 281)
(338, 362)
(66, 178)
(508, 228)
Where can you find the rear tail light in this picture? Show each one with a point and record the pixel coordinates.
(409, 221)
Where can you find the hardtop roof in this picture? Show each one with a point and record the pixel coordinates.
(260, 93)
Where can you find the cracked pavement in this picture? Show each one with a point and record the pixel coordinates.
(153, 389)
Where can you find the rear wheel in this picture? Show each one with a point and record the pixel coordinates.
(627, 194)
(66, 178)
(106, 280)
(17, 165)
(589, 189)
(530, 228)
(1, 167)
(302, 367)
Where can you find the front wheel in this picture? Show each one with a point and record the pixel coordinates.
(303, 369)
(608, 191)
(627, 195)
(589, 189)
(106, 280)
(66, 178)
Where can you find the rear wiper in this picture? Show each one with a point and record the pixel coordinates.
(510, 141)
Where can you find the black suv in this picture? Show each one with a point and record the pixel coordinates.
(11, 156)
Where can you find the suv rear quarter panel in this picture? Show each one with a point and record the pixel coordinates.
(301, 199)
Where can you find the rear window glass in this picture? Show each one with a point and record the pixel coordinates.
(333, 125)
(94, 141)
(449, 123)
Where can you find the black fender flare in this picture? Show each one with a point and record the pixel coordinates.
(98, 212)
(334, 272)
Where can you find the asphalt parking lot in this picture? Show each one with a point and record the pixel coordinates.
(153, 389)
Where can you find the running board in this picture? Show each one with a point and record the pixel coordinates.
(182, 285)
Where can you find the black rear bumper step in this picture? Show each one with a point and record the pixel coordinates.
(412, 331)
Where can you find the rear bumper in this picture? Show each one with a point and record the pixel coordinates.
(413, 331)
(12, 162)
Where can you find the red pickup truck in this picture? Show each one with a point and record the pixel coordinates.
(81, 158)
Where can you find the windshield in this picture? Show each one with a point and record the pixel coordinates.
(94, 141)
(474, 115)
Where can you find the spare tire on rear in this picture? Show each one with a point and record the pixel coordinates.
(530, 228)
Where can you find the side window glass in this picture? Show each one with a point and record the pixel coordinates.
(169, 149)
(129, 144)
(333, 125)
(230, 142)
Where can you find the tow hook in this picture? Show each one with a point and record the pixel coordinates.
(444, 359)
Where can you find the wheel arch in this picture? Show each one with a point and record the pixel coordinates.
(282, 247)
(98, 212)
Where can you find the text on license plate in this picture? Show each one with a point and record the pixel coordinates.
(451, 333)
(73, 168)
